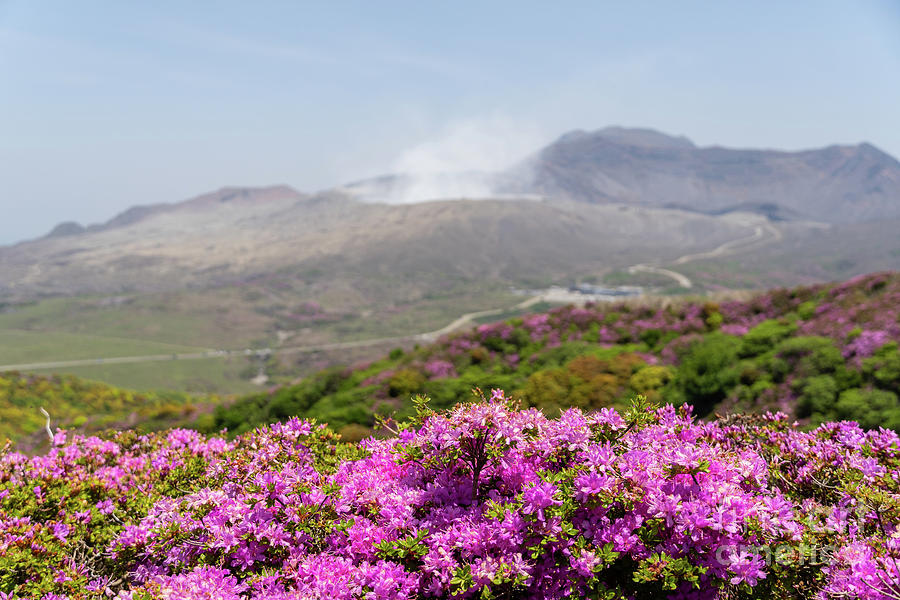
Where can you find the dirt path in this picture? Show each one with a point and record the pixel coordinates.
(469, 317)
(682, 280)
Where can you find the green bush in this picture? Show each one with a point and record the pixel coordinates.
(650, 337)
(765, 336)
(817, 398)
(405, 382)
(649, 380)
(807, 310)
(884, 367)
(872, 408)
(706, 372)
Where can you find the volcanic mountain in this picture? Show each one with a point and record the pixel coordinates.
(836, 184)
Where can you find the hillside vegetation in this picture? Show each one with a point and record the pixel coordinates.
(84, 405)
(820, 353)
(816, 353)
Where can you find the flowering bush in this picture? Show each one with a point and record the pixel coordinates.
(484, 500)
(438, 369)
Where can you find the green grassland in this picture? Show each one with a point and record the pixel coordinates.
(19, 346)
(418, 317)
(238, 317)
(201, 376)
(515, 312)
(200, 319)
(790, 350)
(643, 279)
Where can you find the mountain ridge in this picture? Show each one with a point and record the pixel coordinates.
(140, 212)
(587, 166)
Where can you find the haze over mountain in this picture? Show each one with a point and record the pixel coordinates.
(587, 203)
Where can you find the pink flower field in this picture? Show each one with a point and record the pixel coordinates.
(485, 500)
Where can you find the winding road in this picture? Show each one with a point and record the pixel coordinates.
(682, 280)
(763, 233)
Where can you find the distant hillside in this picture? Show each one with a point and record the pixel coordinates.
(837, 184)
(817, 353)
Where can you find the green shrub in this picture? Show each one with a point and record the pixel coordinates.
(650, 337)
(706, 374)
(650, 380)
(884, 367)
(817, 397)
(807, 310)
(765, 336)
(872, 408)
(405, 383)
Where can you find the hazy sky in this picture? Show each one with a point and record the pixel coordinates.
(104, 105)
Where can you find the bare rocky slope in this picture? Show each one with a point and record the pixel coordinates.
(238, 234)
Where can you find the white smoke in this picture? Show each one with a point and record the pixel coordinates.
(456, 164)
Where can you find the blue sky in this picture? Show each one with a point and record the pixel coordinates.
(104, 105)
